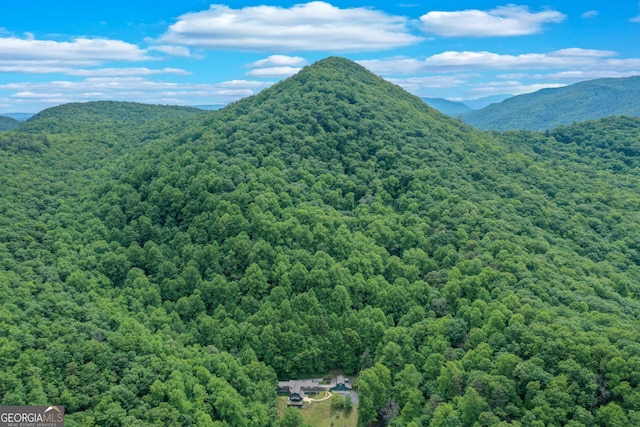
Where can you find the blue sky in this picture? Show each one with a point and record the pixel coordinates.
(194, 52)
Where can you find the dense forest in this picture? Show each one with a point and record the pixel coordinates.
(7, 123)
(552, 107)
(164, 267)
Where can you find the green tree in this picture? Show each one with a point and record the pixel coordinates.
(471, 406)
(291, 418)
(612, 415)
(337, 401)
(374, 389)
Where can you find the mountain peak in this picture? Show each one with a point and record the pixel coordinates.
(335, 109)
(334, 71)
(336, 62)
(341, 88)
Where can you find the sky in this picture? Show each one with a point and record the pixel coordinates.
(195, 52)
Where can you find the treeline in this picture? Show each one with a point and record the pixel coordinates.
(332, 221)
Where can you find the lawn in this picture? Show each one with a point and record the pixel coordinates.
(320, 414)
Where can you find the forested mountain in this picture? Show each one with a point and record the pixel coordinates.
(333, 221)
(450, 108)
(111, 123)
(75, 116)
(549, 108)
(7, 123)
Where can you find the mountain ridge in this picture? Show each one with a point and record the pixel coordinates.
(552, 107)
(103, 113)
(8, 123)
(450, 108)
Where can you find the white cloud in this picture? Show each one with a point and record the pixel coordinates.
(278, 61)
(511, 87)
(502, 21)
(139, 89)
(123, 72)
(579, 52)
(572, 75)
(419, 85)
(590, 14)
(100, 84)
(303, 27)
(80, 51)
(394, 65)
(478, 74)
(34, 95)
(636, 19)
(276, 66)
(31, 67)
(472, 61)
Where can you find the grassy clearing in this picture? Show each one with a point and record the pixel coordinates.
(320, 414)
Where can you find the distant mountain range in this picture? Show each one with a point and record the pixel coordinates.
(456, 108)
(450, 108)
(21, 117)
(541, 110)
(549, 108)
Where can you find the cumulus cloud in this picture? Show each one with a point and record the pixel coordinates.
(276, 66)
(477, 61)
(138, 89)
(303, 27)
(511, 20)
(590, 14)
(511, 87)
(571, 75)
(480, 73)
(121, 72)
(29, 67)
(79, 51)
(278, 61)
(636, 19)
(420, 84)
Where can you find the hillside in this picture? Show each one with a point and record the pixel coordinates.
(55, 119)
(549, 108)
(111, 123)
(450, 108)
(7, 123)
(332, 221)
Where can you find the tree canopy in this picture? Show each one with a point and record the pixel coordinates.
(169, 273)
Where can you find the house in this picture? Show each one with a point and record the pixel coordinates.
(340, 383)
(296, 396)
(297, 390)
